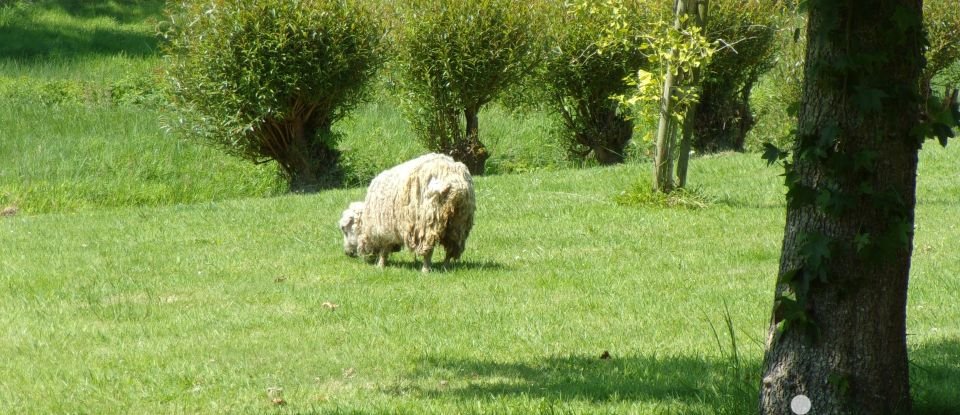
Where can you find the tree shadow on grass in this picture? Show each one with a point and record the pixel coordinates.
(123, 11)
(27, 40)
(935, 377)
(687, 381)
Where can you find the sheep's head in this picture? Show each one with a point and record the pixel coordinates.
(350, 226)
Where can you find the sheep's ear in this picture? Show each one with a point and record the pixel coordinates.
(437, 188)
(346, 221)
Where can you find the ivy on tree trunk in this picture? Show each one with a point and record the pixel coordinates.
(838, 329)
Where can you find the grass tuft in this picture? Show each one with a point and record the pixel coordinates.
(641, 194)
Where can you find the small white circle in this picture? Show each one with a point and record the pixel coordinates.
(800, 405)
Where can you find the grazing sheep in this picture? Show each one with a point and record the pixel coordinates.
(417, 204)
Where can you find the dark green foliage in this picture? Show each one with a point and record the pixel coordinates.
(581, 78)
(747, 34)
(941, 19)
(266, 80)
(455, 56)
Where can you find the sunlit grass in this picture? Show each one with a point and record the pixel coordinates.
(204, 308)
(148, 274)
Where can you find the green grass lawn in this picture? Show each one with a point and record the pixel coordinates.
(150, 274)
(205, 308)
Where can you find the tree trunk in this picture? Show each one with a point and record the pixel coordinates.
(686, 137)
(307, 161)
(700, 10)
(607, 157)
(607, 133)
(849, 226)
(667, 128)
(663, 157)
(724, 118)
(471, 152)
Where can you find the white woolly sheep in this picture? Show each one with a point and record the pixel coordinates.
(417, 204)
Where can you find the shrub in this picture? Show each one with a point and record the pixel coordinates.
(266, 80)
(747, 34)
(452, 58)
(942, 22)
(780, 88)
(582, 75)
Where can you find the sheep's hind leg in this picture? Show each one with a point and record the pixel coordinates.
(426, 260)
(382, 258)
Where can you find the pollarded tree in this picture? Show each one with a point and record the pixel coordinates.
(455, 56)
(267, 79)
(584, 71)
(746, 32)
(838, 329)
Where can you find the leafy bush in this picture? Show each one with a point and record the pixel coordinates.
(454, 57)
(777, 92)
(582, 74)
(266, 80)
(780, 88)
(746, 31)
(941, 20)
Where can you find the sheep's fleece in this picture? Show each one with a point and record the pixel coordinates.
(417, 204)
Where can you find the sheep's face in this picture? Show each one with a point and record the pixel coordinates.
(350, 226)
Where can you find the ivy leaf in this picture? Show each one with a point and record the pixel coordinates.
(772, 153)
(901, 232)
(868, 99)
(906, 19)
(826, 140)
(865, 161)
(943, 133)
(861, 241)
(793, 109)
(789, 276)
(788, 309)
(800, 195)
(826, 200)
(815, 249)
(839, 383)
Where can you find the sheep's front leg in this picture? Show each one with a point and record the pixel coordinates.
(426, 260)
(382, 258)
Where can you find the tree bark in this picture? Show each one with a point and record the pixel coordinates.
(854, 359)
(472, 152)
(700, 10)
(605, 132)
(663, 158)
(724, 118)
(305, 157)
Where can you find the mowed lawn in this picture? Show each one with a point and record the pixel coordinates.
(145, 274)
(250, 306)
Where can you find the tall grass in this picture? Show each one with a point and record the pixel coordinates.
(74, 157)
